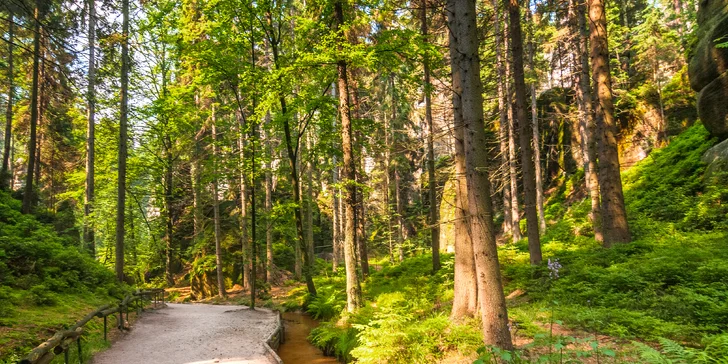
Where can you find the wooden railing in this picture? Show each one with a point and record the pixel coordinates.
(61, 342)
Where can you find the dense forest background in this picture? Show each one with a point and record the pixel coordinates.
(377, 151)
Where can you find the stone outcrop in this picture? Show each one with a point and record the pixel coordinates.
(708, 67)
(717, 160)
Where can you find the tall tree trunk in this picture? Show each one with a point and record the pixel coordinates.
(336, 216)
(587, 128)
(398, 203)
(301, 241)
(432, 181)
(269, 204)
(244, 239)
(309, 200)
(297, 254)
(614, 215)
(28, 194)
(359, 212)
(535, 126)
(464, 55)
(524, 131)
(216, 207)
(292, 151)
(195, 180)
(121, 192)
(400, 213)
(387, 182)
(169, 223)
(465, 297)
(88, 232)
(537, 156)
(253, 213)
(5, 175)
(510, 212)
(512, 154)
(353, 288)
(361, 237)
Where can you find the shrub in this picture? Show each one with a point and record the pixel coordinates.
(41, 296)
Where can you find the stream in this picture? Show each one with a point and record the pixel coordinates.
(296, 348)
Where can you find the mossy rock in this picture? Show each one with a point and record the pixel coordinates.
(717, 159)
(708, 67)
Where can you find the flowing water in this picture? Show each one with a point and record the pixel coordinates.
(296, 348)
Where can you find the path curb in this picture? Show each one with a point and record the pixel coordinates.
(274, 340)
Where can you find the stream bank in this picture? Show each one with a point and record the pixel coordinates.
(296, 349)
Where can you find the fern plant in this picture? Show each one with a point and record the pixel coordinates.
(671, 352)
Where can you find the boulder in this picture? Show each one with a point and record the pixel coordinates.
(709, 62)
(708, 67)
(717, 159)
(713, 106)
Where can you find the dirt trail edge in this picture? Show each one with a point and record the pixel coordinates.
(195, 333)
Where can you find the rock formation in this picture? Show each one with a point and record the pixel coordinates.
(708, 67)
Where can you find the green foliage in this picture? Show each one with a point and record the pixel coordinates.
(548, 349)
(35, 258)
(46, 281)
(334, 340)
(669, 185)
(329, 302)
(404, 320)
(669, 282)
(715, 351)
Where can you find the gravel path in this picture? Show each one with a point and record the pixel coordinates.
(195, 333)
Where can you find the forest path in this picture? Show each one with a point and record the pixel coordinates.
(195, 333)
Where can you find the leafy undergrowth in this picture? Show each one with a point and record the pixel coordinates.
(46, 284)
(669, 285)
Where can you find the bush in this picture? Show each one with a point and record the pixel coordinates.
(41, 296)
(32, 254)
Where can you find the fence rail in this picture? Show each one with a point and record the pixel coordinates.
(62, 340)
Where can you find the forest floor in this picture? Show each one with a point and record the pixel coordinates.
(195, 333)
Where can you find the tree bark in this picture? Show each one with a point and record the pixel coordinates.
(295, 181)
(353, 288)
(464, 55)
(297, 264)
(216, 207)
(169, 223)
(121, 194)
(361, 236)
(244, 239)
(434, 215)
(537, 158)
(28, 194)
(336, 216)
(512, 154)
(387, 179)
(268, 204)
(587, 127)
(510, 212)
(524, 131)
(253, 213)
(309, 201)
(88, 232)
(400, 213)
(465, 297)
(5, 176)
(535, 127)
(614, 215)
